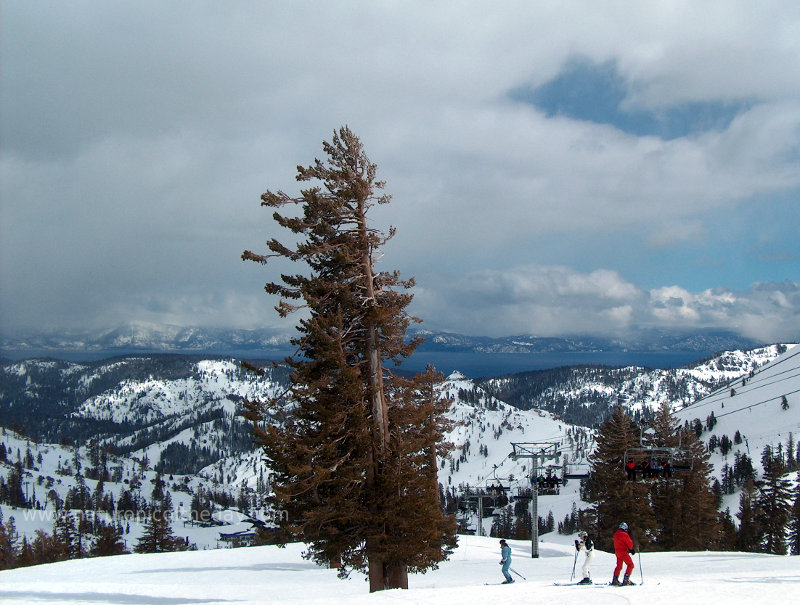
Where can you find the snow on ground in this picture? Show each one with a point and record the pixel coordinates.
(754, 407)
(267, 574)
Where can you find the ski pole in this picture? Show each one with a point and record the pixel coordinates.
(519, 574)
(574, 561)
(641, 573)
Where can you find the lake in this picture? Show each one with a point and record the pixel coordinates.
(472, 365)
(476, 365)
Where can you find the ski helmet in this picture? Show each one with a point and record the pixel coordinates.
(582, 534)
(623, 526)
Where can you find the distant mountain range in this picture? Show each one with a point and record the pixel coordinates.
(267, 342)
(700, 341)
(143, 337)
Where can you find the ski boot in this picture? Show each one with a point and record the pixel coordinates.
(615, 581)
(586, 580)
(627, 581)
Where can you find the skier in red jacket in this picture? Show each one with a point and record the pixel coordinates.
(623, 548)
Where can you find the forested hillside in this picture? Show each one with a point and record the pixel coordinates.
(95, 437)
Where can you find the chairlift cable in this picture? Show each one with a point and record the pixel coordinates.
(758, 403)
(761, 369)
(758, 371)
(712, 399)
(755, 379)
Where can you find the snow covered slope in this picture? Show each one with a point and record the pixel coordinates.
(179, 411)
(266, 574)
(485, 423)
(763, 407)
(173, 408)
(586, 394)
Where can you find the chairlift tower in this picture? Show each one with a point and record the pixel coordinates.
(535, 451)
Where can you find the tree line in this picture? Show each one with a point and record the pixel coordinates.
(682, 512)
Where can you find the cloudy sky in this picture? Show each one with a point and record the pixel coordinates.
(556, 167)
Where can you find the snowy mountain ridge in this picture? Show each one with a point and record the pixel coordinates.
(160, 424)
(586, 394)
(762, 407)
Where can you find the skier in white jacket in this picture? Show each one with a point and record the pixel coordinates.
(584, 542)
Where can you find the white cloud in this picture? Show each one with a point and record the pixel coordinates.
(137, 140)
(550, 301)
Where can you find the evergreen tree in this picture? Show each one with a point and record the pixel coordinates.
(13, 494)
(696, 524)
(774, 504)
(25, 555)
(419, 533)
(338, 455)
(200, 507)
(727, 534)
(109, 541)
(743, 471)
(8, 542)
(47, 548)
(66, 532)
(685, 506)
(158, 536)
(614, 498)
(794, 524)
(748, 538)
(522, 525)
(82, 529)
(503, 524)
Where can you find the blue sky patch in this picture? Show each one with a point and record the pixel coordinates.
(595, 92)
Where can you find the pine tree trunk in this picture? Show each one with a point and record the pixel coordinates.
(377, 573)
(397, 576)
(378, 579)
(380, 416)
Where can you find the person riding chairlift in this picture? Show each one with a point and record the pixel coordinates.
(630, 469)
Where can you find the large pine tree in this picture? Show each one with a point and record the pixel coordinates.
(352, 449)
(685, 506)
(616, 499)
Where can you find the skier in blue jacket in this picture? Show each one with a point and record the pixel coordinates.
(505, 553)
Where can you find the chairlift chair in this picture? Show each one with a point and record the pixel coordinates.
(659, 461)
(523, 493)
(576, 470)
